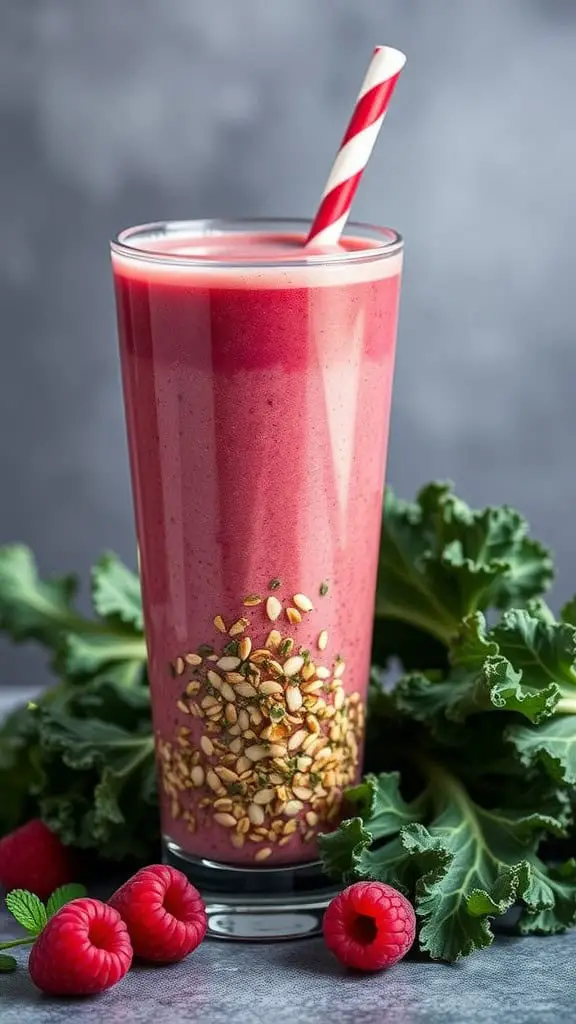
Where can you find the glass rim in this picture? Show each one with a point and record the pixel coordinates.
(123, 244)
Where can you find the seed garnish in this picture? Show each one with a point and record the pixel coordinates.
(273, 608)
(274, 583)
(322, 640)
(293, 616)
(323, 588)
(279, 736)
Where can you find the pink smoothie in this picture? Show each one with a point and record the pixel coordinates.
(258, 400)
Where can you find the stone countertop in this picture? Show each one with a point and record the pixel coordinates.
(522, 981)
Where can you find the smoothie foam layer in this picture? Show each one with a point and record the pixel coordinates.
(257, 405)
(197, 258)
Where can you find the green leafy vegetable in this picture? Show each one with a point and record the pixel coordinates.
(116, 592)
(440, 561)
(27, 909)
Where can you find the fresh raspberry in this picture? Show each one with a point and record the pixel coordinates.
(84, 949)
(33, 858)
(164, 913)
(369, 926)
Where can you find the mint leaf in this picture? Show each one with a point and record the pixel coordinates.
(60, 897)
(27, 909)
(32, 608)
(116, 592)
(7, 963)
(553, 745)
(441, 560)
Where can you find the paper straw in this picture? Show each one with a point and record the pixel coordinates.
(356, 146)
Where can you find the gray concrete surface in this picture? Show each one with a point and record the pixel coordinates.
(520, 981)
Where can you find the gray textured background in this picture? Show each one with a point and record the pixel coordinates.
(118, 111)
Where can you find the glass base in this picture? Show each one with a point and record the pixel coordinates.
(256, 904)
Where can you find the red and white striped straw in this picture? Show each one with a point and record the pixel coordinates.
(356, 146)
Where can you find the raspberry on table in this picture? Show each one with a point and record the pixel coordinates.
(84, 949)
(369, 926)
(164, 913)
(33, 858)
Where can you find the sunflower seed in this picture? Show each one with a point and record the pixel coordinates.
(213, 781)
(293, 616)
(293, 665)
(339, 698)
(256, 752)
(197, 776)
(256, 814)
(239, 626)
(228, 664)
(273, 639)
(207, 745)
(313, 688)
(246, 690)
(244, 648)
(277, 750)
(231, 714)
(294, 698)
(263, 796)
(243, 720)
(243, 764)
(302, 792)
(309, 670)
(224, 803)
(228, 693)
(273, 608)
(263, 854)
(297, 739)
(219, 623)
(183, 707)
(193, 659)
(322, 640)
(303, 603)
(292, 808)
(227, 820)
(270, 687)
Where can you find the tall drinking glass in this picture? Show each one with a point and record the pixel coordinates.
(257, 384)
